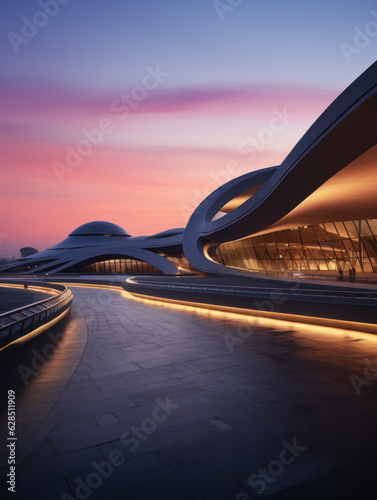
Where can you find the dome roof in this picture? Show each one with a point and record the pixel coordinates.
(99, 228)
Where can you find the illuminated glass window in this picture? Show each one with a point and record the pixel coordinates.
(321, 247)
(119, 266)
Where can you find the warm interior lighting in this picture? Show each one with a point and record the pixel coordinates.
(237, 201)
(349, 194)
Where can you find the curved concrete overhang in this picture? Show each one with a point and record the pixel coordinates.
(350, 194)
(239, 200)
(344, 132)
(194, 243)
(337, 140)
(204, 215)
(162, 240)
(165, 234)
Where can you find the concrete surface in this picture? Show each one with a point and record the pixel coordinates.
(189, 405)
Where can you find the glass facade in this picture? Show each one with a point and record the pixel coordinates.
(179, 260)
(23, 268)
(346, 245)
(119, 266)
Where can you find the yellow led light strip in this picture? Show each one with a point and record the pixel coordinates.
(234, 312)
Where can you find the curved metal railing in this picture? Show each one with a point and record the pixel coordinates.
(263, 290)
(18, 322)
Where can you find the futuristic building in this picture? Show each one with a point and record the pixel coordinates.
(103, 247)
(316, 212)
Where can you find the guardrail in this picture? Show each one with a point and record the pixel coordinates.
(346, 309)
(18, 322)
(263, 291)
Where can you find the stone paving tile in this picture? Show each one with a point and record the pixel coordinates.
(114, 370)
(45, 450)
(233, 408)
(209, 448)
(80, 424)
(130, 474)
(46, 389)
(106, 419)
(48, 490)
(162, 437)
(54, 414)
(80, 393)
(133, 416)
(106, 449)
(98, 365)
(147, 373)
(140, 346)
(84, 398)
(219, 402)
(145, 397)
(57, 467)
(186, 374)
(194, 481)
(209, 364)
(81, 383)
(187, 365)
(191, 351)
(166, 360)
(35, 412)
(123, 388)
(135, 357)
(82, 440)
(186, 413)
(71, 412)
(109, 379)
(171, 385)
(97, 406)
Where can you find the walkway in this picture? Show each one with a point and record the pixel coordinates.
(189, 405)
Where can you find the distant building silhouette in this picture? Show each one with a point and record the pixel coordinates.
(26, 251)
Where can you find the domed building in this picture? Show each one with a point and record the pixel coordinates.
(104, 248)
(99, 228)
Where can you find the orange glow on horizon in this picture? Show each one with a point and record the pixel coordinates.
(148, 176)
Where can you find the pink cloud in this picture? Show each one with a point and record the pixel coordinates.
(65, 103)
(140, 188)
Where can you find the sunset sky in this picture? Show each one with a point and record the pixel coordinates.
(179, 89)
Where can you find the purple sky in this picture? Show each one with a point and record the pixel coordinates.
(168, 93)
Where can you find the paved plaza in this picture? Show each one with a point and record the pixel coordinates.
(148, 401)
